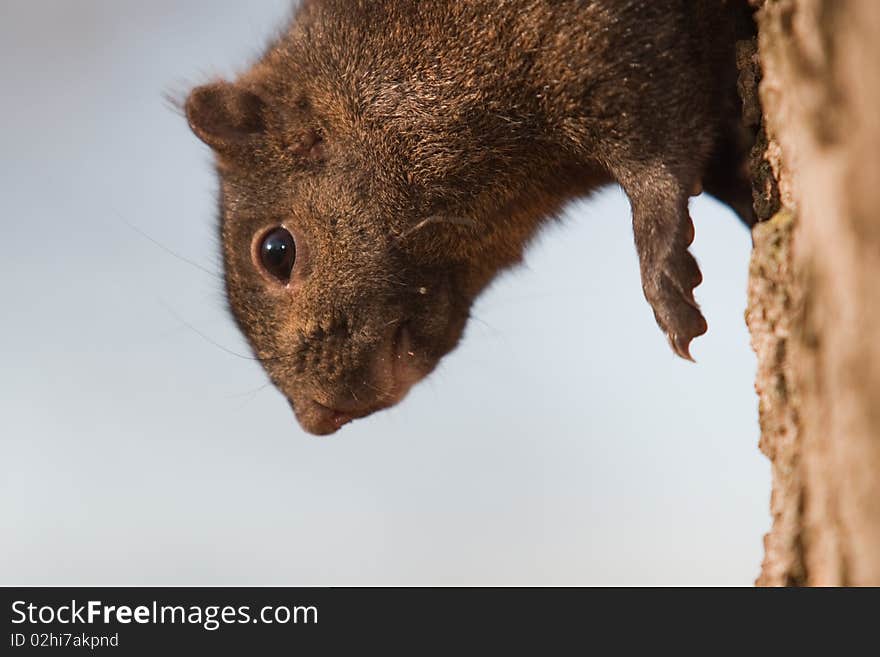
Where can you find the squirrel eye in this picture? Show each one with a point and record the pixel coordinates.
(278, 254)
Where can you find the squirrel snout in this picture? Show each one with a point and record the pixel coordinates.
(395, 367)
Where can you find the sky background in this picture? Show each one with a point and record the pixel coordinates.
(561, 443)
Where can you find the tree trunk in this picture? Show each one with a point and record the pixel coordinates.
(814, 290)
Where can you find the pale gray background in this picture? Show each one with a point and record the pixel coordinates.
(562, 443)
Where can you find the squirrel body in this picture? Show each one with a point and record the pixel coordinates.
(384, 160)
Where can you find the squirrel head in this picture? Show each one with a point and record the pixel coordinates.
(352, 251)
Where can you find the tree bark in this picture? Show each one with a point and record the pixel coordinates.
(814, 289)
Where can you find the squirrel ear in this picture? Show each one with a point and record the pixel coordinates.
(225, 116)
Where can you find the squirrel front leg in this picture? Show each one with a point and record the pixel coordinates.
(663, 232)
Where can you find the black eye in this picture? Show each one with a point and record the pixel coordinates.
(278, 253)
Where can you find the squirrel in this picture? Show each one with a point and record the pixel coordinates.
(384, 160)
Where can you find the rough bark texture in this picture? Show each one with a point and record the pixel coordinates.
(814, 302)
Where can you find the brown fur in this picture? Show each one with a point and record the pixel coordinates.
(413, 148)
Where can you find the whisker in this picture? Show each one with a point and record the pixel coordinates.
(207, 339)
(250, 393)
(222, 348)
(480, 320)
(168, 250)
(437, 219)
(248, 398)
(382, 393)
